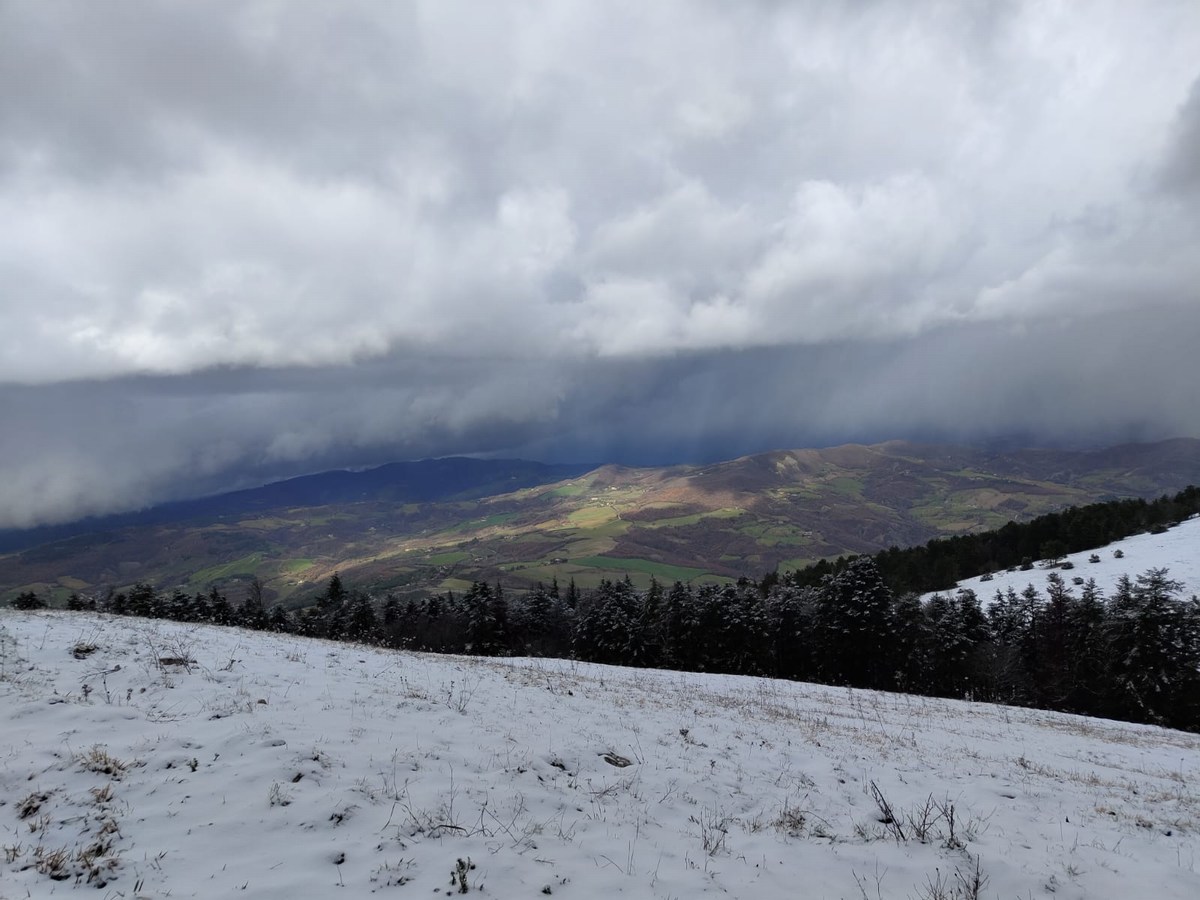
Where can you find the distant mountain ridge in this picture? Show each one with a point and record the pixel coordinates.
(436, 525)
(425, 480)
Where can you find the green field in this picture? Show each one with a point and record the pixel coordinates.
(247, 566)
(693, 519)
(484, 522)
(846, 486)
(568, 490)
(447, 559)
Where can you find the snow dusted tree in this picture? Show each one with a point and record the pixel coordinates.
(791, 615)
(143, 601)
(708, 632)
(483, 623)
(28, 600)
(651, 624)
(75, 603)
(1154, 639)
(958, 632)
(854, 621)
(679, 624)
(1091, 669)
(539, 624)
(912, 638)
(178, 606)
(198, 609)
(1008, 617)
(360, 622)
(253, 611)
(741, 645)
(442, 628)
(389, 618)
(1010, 623)
(606, 629)
(328, 619)
(279, 621)
(219, 610)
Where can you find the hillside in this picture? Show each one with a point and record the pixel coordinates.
(154, 759)
(741, 517)
(1174, 549)
(425, 480)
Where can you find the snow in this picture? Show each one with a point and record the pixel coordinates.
(205, 762)
(1177, 549)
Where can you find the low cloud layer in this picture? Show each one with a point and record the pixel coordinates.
(251, 240)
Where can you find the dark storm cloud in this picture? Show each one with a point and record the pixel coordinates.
(1107, 378)
(252, 239)
(91, 447)
(113, 444)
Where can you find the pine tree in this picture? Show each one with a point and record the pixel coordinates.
(651, 625)
(1155, 642)
(143, 601)
(75, 603)
(503, 640)
(391, 611)
(483, 631)
(178, 607)
(679, 628)
(328, 620)
(855, 626)
(278, 620)
(606, 628)
(361, 623)
(539, 624)
(791, 616)
(441, 629)
(1091, 673)
(1053, 630)
(219, 610)
(911, 653)
(743, 646)
(958, 633)
(27, 600)
(198, 609)
(391, 622)
(253, 613)
(707, 639)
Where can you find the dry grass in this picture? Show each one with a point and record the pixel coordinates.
(97, 759)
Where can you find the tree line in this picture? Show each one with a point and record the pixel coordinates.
(943, 562)
(1134, 655)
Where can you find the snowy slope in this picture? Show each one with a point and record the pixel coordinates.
(175, 760)
(1177, 550)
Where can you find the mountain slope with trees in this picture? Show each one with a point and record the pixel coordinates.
(1133, 654)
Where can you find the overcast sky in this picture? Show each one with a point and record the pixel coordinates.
(242, 240)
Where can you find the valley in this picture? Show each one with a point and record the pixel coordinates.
(431, 531)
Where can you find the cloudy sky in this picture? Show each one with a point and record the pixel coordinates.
(242, 240)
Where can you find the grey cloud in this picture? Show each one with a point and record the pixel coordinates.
(339, 234)
(94, 447)
(110, 445)
(1181, 170)
(1107, 378)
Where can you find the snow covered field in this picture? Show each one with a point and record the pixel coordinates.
(1177, 549)
(160, 759)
